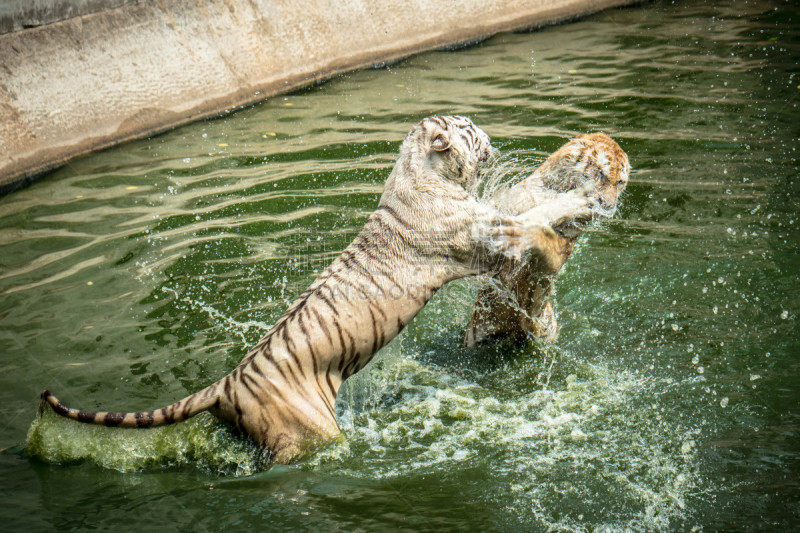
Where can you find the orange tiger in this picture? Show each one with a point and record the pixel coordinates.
(521, 306)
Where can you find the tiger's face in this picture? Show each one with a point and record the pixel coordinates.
(589, 158)
(454, 147)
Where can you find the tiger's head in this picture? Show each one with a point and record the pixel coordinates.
(451, 147)
(589, 158)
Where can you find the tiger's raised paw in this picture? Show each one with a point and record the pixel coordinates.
(577, 206)
(513, 236)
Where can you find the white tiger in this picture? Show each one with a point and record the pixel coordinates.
(427, 230)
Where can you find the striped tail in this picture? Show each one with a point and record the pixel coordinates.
(186, 408)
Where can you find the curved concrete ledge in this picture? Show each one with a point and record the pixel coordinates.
(89, 82)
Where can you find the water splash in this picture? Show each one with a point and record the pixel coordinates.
(586, 435)
(201, 442)
(501, 172)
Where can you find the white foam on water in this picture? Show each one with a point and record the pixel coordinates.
(580, 441)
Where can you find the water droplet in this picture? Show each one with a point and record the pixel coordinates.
(785, 314)
(724, 402)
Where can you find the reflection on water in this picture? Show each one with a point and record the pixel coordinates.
(132, 277)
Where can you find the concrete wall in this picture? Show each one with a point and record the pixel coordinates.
(16, 15)
(91, 81)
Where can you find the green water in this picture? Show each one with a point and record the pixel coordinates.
(671, 400)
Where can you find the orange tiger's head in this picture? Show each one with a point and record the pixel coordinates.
(589, 157)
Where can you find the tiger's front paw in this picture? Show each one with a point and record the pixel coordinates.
(512, 237)
(573, 209)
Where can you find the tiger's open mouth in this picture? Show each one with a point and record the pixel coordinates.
(604, 208)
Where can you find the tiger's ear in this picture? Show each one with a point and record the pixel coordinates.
(441, 142)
